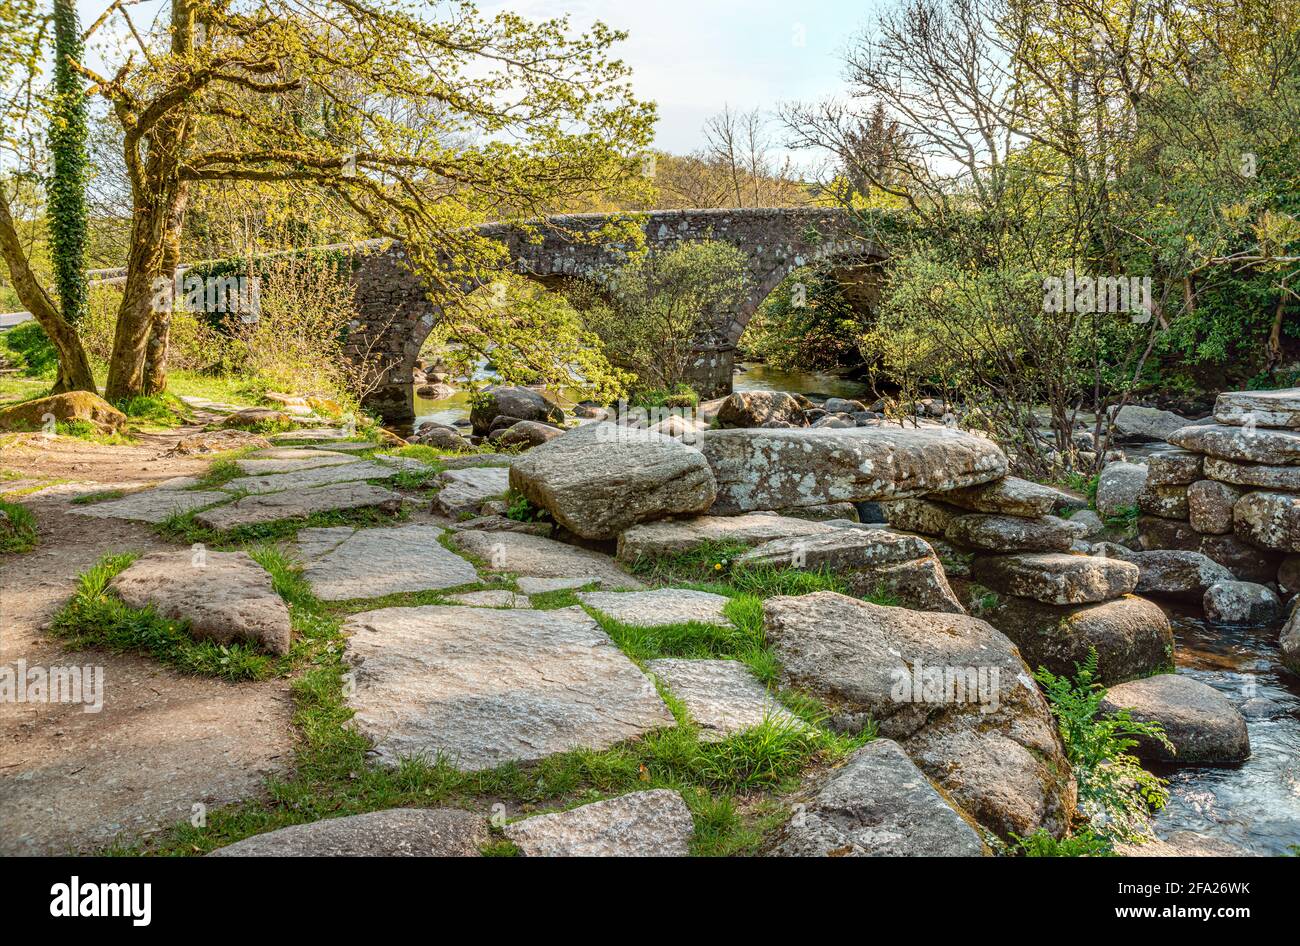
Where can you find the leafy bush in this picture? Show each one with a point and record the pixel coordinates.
(807, 324)
(1116, 794)
(29, 349)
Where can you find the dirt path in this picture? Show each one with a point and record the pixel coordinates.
(71, 780)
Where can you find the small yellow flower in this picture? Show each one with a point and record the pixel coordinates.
(717, 566)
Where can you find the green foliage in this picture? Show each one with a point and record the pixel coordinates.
(521, 509)
(681, 396)
(30, 349)
(164, 410)
(806, 324)
(89, 499)
(70, 169)
(17, 528)
(1115, 793)
(1080, 844)
(658, 305)
(1125, 517)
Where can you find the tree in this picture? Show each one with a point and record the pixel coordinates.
(22, 106)
(68, 158)
(422, 121)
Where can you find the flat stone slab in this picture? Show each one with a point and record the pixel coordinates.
(1253, 474)
(154, 505)
(1010, 496)
(656, 823)
(396, 832)
(299, 504)
(322, 434)
(1246, 444)
(466, 490)
(878, 804)
(1265, 408)
(483, 687)
(1198, 720)
(531, 556)
(541, 586)
(1057, 577)
(722, 696)
(760, 469)
(1268, 520)
(292, 453)
(344, 563)
(260, 466)
(225, 596)
(658, 607)
(996, 533)
(302, 479)
(503, 598)
(675, 536)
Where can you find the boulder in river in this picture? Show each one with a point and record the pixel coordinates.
(1209, 506)
(1118, 488)
(1200, 723)
(1241, 602)
(517, 402)
(756, 408)
(1056, 577)
(1176, 573)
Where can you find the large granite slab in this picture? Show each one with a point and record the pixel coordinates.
(343, 562)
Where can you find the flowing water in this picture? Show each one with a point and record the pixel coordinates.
(1255, 805)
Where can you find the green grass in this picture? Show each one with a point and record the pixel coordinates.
(182, 527)
(220, 471)
(416, 479)
(160, 410)
(1124, 520)
(27, 348)
(713, 567)
(19, 534)
(89, 499)
(85, 430)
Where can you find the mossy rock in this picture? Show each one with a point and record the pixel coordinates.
(70, 406)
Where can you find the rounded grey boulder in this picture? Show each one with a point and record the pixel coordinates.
(397, 832)
(1200, 723)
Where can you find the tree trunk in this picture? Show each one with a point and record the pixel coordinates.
(155, 372)
(74, 367)
(135, 315)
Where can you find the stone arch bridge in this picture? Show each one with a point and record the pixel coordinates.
(397, 314)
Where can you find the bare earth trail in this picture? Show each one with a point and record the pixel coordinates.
(74, 781)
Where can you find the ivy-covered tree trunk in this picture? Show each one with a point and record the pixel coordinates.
(66, 190)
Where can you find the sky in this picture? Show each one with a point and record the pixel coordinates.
(693, 57)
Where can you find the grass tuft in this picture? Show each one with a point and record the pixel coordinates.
(17, 529)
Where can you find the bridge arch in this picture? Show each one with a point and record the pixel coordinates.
(396, 313)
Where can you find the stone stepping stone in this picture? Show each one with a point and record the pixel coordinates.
(350, 446)
(531, 556)
(541, 586)
(344, 563)
(1202, 725)
(225, 596)
(674, 536)
(1057, 577)
(483, 687)
(255, 466)
(878, 804)
(655, 823)
(1266, 408)
(722, 696)
(466, 490)
(503, 598)
(309, 478)
(658, 607)
(292, 453)
(1011, 533)
(179, 482)
(397, 832)
(299, 504)
(1010, 496)
(153, 505)
(319, 433)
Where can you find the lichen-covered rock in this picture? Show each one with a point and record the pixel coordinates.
(951, 690)
(1246, 444)
(993, 533)
(601, 479)
(654, 823)
(1241, 602)
(1202, 725)
(1118, 488)
(871, 561)
(224, 596)
(1174, 468)
(40, 412)
(1209, 506)
(921, 515)
(878, 804)
(1174, 572)
(650, 540)
(520, 403)
(466, 490)
(1245, 561)
(441, 438)
(1131, 635)
(395, 832)
(1260, 475)
(1269, 520)
(756, 408)
(257, 417)
(535, 557)
(524, 434)
(1056, 577)
(1146, 424)
(1289, 642)
(298, 504)
(776, 469)
(1010, 496)
(1279, 408)
(1167, 502)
